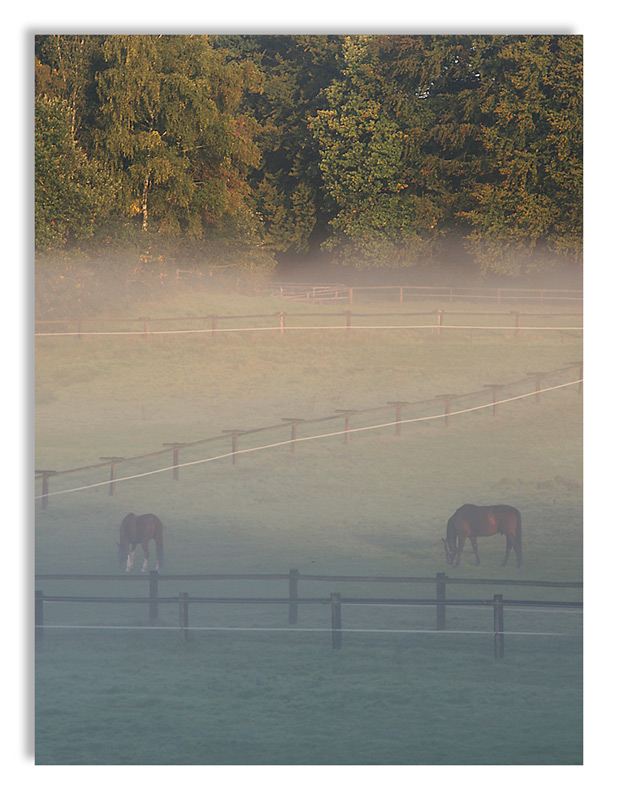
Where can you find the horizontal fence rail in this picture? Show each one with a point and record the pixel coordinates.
(335, 292)
(217, 324)
(490, 397)
(293, 600)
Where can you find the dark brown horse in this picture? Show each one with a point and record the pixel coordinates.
(469, 522)
(139, 530)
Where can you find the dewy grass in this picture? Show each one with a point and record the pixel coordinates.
(377, 505)
(258, 699)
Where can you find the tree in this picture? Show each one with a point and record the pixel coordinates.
(382, 150)
(529, 203)
(369, 162)
(433, 140)
(286, 188)
(170, 128)
(72, 195)
(65, 68)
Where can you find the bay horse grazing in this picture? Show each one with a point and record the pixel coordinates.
(139, 530)
(469, 522)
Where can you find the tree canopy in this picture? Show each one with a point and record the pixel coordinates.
(381, 151)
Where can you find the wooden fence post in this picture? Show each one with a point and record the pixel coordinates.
(516, 317)
(183, 599)
(580, 364)
(234, 432)
(398, 404)
(176, 446)
(537, 376)
(447, 404)
(293, 595)
(335, 605)
(440, 601)
(498, 627)
(154, 594)
(440, 316)
(347, 412)
(495, 387)
(38, 615)
(45, 474)
(282, 321)
(113, 462)
(294, 421)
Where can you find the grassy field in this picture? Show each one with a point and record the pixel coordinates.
(375, 507)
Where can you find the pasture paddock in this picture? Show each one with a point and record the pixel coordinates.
(378, 506)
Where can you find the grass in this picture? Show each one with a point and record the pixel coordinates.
(254, 699)
(378, 506)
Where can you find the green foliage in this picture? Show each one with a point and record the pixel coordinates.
(287, 189)
(363, 149)
(171, 130)
(530, 202)
(381, 150)
(72, 196)
(477, 138)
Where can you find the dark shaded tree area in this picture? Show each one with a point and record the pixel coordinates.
(378, 151)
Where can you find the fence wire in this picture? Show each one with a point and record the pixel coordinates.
(300, 439)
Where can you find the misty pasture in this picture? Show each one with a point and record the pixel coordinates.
(110, 689)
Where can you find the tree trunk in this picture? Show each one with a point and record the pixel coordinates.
(145, 203)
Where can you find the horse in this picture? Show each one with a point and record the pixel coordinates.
(469, 522)
(139, 530)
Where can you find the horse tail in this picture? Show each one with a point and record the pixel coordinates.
(159, 540)
(451, 537)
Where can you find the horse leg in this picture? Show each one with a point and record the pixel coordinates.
(476, 550)
(462, 541)
(146, 556)
(509, 545)
(130, 557)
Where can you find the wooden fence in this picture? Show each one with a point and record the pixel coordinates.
(293, 600)
(336, 292)
(173, 449)
(280, 321)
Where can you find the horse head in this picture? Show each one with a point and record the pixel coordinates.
(124, 544)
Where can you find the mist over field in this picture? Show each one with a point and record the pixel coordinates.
(375, 503)
(301, 298)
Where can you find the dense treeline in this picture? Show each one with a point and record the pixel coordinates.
(384, 151)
